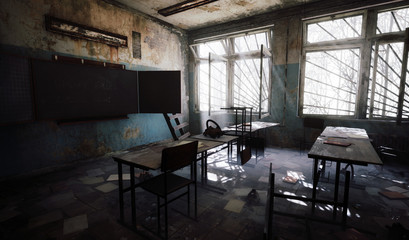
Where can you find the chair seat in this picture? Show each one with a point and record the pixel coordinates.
(174, 182)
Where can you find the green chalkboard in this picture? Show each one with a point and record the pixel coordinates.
(66, 91)
(159, 91)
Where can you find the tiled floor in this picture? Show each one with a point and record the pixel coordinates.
(81, 202)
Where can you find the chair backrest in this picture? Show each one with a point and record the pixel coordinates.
(179, 130)
(174, 158)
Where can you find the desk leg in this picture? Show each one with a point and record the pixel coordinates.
(205, 166)
(121, 193)
(239, 143)
(346, 199)
(228, 152)
(202, 167)
(132, 173)
(314, 185)
(337, 172)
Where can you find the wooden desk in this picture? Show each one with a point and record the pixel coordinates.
(149, 158)
(242, 129)
(225, 139)
(358, 152)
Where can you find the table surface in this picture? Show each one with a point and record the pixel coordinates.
(223, 138)
(150, 158)
(359, 152)
(255, 126)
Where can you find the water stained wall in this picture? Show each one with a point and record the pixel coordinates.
(34, 146)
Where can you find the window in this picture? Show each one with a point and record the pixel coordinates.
(331, 79)
(344, 76)
(234, 72)
(215, 91)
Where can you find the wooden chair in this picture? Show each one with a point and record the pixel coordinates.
(177, 129)
(166, 183)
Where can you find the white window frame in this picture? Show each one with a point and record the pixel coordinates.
(230, 57)
(365, 43)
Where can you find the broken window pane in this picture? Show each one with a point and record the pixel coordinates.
(331, 82)
(349, 27)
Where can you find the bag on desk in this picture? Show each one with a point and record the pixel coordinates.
(213, 132)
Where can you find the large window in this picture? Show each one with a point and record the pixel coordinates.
(234, 71)
(357, 68)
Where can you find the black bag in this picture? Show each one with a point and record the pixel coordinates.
(213, 132)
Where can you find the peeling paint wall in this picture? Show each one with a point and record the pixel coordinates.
(38, 145)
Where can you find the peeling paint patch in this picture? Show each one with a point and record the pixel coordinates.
(102, 149)
(244, 3)
(87, 147)
(210, 9)
(113, 54)
(131, 133)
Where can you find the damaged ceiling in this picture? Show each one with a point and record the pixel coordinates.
(213, 13)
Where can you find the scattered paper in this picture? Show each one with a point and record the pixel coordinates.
(397, 189)
(107, 187)
(393, 195)
(114, 177)
(91, 180)
(234, 206)
(263, 179)
(75, 224)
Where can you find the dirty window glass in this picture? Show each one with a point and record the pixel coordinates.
(217, 84)
(215, 47)
(393, 21)
(234, 78)
(385, 83)
(338, 29)
(331, 82)
(250, 42)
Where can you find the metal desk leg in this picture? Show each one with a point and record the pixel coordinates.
(202, 168)
(205, 166)
(314, 185)
(337, 172)
(121, 193)
(346, 199)
(132, 173)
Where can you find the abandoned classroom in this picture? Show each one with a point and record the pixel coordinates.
(260, 119)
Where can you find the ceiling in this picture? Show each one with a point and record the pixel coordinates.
(210, 14)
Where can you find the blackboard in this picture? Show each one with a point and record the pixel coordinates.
(159, 91)
(16, 97)
(66, 91)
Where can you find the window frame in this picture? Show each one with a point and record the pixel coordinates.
(231, 57)
(365, 43)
